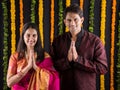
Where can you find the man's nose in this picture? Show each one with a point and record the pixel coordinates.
(72, 22)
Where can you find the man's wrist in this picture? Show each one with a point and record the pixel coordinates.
(76, 60)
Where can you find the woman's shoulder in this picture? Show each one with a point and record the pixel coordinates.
(47, 62)
(15, 55)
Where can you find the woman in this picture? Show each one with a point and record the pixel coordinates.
(30, 68)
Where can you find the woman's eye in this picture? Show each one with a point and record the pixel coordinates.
(69, 20)
(34, 35)
(28, 35)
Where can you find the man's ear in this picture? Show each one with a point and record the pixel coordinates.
(82, 19)
(64, 21)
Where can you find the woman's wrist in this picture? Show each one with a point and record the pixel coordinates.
(36, 67)
(20, 74)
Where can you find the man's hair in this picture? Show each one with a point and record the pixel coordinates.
(74, 8)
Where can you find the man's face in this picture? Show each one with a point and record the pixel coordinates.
(73, 22)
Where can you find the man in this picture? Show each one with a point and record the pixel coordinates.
(78, 55)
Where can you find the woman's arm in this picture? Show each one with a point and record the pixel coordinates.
(15, 78)
(12, 75)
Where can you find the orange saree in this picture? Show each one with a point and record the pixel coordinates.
(45, 78)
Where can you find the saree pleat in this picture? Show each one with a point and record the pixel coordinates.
(39, 80)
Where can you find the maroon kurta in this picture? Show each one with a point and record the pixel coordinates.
(80, 75)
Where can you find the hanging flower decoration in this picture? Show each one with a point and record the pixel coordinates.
(67, 4)
(91, 16)
(40, 12)
(60, 22)
(33, 2)
(102, 36)
(52, 21)
(21, 15)
(112, 45)
(5, 43)
(13, 35)
(81, 4)
(103, 20)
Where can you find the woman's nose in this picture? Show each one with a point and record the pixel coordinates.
(31, 38)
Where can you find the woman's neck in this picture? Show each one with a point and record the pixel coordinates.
(29, 50)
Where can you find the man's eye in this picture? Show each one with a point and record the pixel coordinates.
(69, 20)
(75, 20)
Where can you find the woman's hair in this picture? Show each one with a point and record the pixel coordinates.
(74, 8)
(22, 46)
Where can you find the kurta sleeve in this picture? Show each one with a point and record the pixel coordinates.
(97, 61)
(61, 64)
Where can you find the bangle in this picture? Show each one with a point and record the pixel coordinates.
(20, 74)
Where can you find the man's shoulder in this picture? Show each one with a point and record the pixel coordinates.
(90, 35)
(62, 36)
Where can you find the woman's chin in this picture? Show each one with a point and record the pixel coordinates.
(30, 46)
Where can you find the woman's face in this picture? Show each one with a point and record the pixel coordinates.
(30, 37)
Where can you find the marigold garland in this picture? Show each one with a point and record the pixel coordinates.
(5, 43)
(13, 35)
(102, 37)
(40, 12)
(112, 45)
(33, 2)
(81, 4)
(21, 15)
(91, 16)
(60, 22)
(67, 4)
(103, 20)
(52, 21)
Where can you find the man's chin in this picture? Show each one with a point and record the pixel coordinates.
(72, 31)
